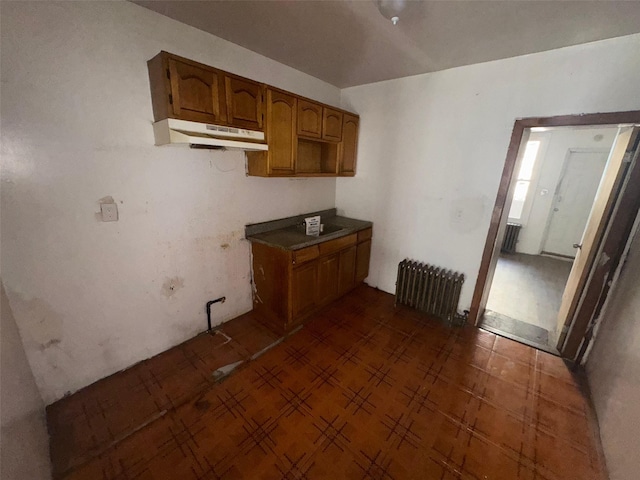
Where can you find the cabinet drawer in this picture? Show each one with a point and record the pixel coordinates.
(364, 235)
(305, 254)
(338, 244)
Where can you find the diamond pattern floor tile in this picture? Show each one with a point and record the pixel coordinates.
(364, 390)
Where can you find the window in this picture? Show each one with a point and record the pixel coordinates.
(524, 180)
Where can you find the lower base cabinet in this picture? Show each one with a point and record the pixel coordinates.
(362, 260)
(347, 272)
(291, 285)
(328, 270)
(304, 281)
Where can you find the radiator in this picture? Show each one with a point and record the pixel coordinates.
(429, 289)
(511, 238)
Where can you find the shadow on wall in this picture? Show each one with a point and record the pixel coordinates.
(25, 443)
(613, 369)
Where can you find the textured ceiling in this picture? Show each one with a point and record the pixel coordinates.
(350, 43)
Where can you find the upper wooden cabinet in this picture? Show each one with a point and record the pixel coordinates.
(244, 102)
(279, 160)
(309, 119)
(184, 89)
(305, 138)
(349, 145)
(194, 91)
(188, 90)
(293, 154)
(281, 132)
(331, 124)
(317, 121)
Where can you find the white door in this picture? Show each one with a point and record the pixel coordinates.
(573, 201)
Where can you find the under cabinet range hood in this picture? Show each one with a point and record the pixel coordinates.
(172, 131)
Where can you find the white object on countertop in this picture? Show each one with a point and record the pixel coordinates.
(312, 225)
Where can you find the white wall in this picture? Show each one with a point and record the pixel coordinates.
(613, 369)
(23, 432)
(432, 147)
(550, 168)
(91, 298)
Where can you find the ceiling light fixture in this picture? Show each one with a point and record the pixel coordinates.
(391, 9)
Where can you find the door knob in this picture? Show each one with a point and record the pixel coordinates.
(577, 245)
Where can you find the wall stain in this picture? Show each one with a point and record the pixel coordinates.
(171, 286)
(467, 214)
(50, 343)
(40, 325)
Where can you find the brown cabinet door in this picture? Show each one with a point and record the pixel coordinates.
(244, 102)
(309, 119)
(304, 285)
(281, 132)
(331, 124)
(328, 278)
(195, 92)
(349, 145)
(362, 260)
(347, 270)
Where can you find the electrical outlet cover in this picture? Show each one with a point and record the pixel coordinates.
(109, 212)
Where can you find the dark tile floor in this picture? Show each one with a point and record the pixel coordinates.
(528, 288)
(364, 390)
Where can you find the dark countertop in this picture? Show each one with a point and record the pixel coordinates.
(288, 234)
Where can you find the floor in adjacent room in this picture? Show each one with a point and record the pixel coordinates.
(364, 390)
(525, 297)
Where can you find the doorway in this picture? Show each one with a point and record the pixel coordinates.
(556, 184)
(609, 221)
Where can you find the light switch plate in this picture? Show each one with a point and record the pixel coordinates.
(109, 212)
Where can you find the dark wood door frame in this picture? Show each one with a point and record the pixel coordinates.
(505, 191)
(619, 229)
